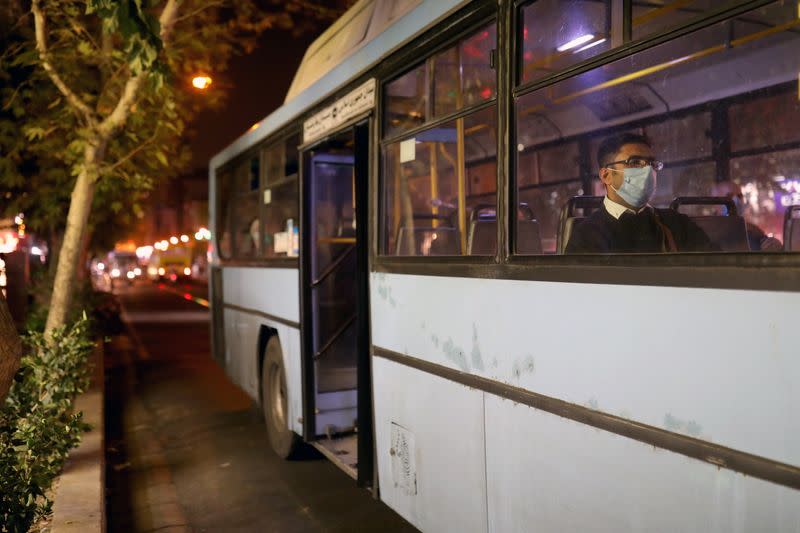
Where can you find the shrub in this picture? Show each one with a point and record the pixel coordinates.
(37, 423)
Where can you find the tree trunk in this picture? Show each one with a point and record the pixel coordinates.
(69, 255)
(10, 349)
(56, 238)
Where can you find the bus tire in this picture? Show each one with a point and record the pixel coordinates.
(275, 401)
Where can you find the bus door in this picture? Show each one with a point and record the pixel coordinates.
(335, 318)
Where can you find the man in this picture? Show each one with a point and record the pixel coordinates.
(627, 223)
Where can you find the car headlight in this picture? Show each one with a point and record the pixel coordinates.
(187, 271)
(137, 271)
(161, 271)
(114, 272)
(130, 274)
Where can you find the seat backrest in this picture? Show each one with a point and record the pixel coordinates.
(791, 229)
(482, 237)
(727, 232)
(529, 239)
(566, 232)
(570, 217)
(428, 241)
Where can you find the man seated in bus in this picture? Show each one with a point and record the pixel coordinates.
(627, 222)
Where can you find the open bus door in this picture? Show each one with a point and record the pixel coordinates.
(335, 317)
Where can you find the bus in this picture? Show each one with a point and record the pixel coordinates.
(390, 279)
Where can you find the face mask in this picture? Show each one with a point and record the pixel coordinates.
(638, 185)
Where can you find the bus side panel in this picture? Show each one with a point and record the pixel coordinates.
(290, 345)
(243, 359)
(718, 365)
(430, 447)
(565, 476)
(275, 291)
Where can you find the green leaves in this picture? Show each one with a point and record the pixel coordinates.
(139, 29)
(37, 426)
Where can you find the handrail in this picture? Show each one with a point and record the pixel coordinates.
(339, 332)
(333, 266)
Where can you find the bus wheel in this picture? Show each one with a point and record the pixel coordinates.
(275, 401)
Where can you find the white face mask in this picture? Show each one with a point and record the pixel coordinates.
(638, 185)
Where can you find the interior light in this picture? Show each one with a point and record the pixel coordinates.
(590, 45)
(575, 42)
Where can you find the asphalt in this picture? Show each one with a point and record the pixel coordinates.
(187, 450)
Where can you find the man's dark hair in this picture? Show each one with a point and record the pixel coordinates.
(612, 145)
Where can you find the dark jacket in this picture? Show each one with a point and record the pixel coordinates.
(638, 233)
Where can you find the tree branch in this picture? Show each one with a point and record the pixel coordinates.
(122, 110)
(77, 104)
(200, 10)
(133, 152)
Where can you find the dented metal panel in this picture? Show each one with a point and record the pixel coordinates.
(565, 476)
(717, 365)
(429, 441)
(246, 311)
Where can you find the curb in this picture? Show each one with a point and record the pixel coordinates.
(79, 501)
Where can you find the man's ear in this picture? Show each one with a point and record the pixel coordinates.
(605, 175)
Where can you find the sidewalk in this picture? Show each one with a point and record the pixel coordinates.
(79, 500)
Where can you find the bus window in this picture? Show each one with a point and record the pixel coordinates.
(406, 100)
(279, 198)
(225, 179)
(650, 17)
(463, 75)
(246, 226)
(714, 115)
(559, 33)
(430, 192)
(440, 185)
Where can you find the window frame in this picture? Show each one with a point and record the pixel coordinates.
(725, 12)
(259, 150)
(776, 271)
(475, 22)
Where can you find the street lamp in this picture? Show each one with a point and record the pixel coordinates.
(201, 82)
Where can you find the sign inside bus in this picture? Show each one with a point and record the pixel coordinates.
(344, 109)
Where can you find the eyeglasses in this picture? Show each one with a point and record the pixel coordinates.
(636, 161)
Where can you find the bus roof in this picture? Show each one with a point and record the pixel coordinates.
(342, 53)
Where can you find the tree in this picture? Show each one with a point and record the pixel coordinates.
(10, 349)
(115, 101)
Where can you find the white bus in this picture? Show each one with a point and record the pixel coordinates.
(390, 281)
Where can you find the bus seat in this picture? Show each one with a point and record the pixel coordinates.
(791, 229)
(483, 231)
(529, 240)
(728, 231)
(570, 217)
(428, 241)
(482, 237)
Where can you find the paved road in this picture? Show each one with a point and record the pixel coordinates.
(187, 450)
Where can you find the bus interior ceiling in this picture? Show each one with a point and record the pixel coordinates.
(331, 183)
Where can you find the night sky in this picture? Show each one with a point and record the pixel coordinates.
(260, 81)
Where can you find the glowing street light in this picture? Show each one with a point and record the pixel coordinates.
(184, 238)
(201, 82)
(173, 240)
